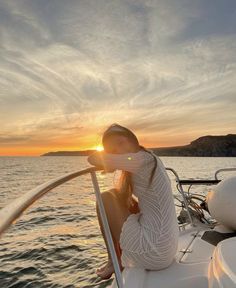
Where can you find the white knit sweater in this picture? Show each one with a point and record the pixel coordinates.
(148, 239)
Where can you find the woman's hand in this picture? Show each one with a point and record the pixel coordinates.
(95, 159)
(134, 208)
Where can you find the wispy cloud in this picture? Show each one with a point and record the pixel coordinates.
(70, 68)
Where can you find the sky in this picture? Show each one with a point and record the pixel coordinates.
(166, 69)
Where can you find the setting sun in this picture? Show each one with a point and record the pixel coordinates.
(99, 148)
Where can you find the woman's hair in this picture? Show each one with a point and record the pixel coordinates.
(125, 183)
(116, 129)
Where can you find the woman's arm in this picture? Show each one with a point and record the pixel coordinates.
(97, 159)
(130, 162)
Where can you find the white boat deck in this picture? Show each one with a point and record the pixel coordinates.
(189, 269)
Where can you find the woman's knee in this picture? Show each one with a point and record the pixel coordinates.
(107, 197)
(112, 191)
(108, 194)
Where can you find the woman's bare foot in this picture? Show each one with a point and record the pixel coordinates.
(107, 270)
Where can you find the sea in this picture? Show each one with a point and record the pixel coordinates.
(57, 242)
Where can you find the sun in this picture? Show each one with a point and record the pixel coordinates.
(99, 148)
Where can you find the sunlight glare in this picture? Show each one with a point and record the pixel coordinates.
(99, 148)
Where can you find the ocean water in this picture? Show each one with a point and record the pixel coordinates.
(57, 241)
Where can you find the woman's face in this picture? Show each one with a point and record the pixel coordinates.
(118, 144)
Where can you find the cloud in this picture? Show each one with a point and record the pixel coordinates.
(9, 140)
(163, 68)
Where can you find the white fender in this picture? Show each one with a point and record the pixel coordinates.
(222, 203)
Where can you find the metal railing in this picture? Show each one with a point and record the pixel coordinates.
(223, 170)
(177, 179)
(13, 210)
(190, 182)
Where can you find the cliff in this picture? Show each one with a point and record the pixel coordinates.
(206, 146)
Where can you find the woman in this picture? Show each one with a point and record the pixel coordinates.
(145, 232)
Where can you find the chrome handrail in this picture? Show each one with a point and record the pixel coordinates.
(12, 211)
(223, 170)
(177, 179)
(107, 231)
(183, 195)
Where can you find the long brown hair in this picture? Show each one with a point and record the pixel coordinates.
(125, 186)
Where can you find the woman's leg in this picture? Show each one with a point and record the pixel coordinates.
(117, 212)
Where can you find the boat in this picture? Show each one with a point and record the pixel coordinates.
(206, 256)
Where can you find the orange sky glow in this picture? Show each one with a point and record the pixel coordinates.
(68, 71)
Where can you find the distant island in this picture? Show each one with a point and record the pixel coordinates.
(205, 146)
(70, 153)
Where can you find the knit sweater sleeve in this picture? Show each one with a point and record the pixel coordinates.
(130, 162)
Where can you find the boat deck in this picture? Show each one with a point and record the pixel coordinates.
(189, 269)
